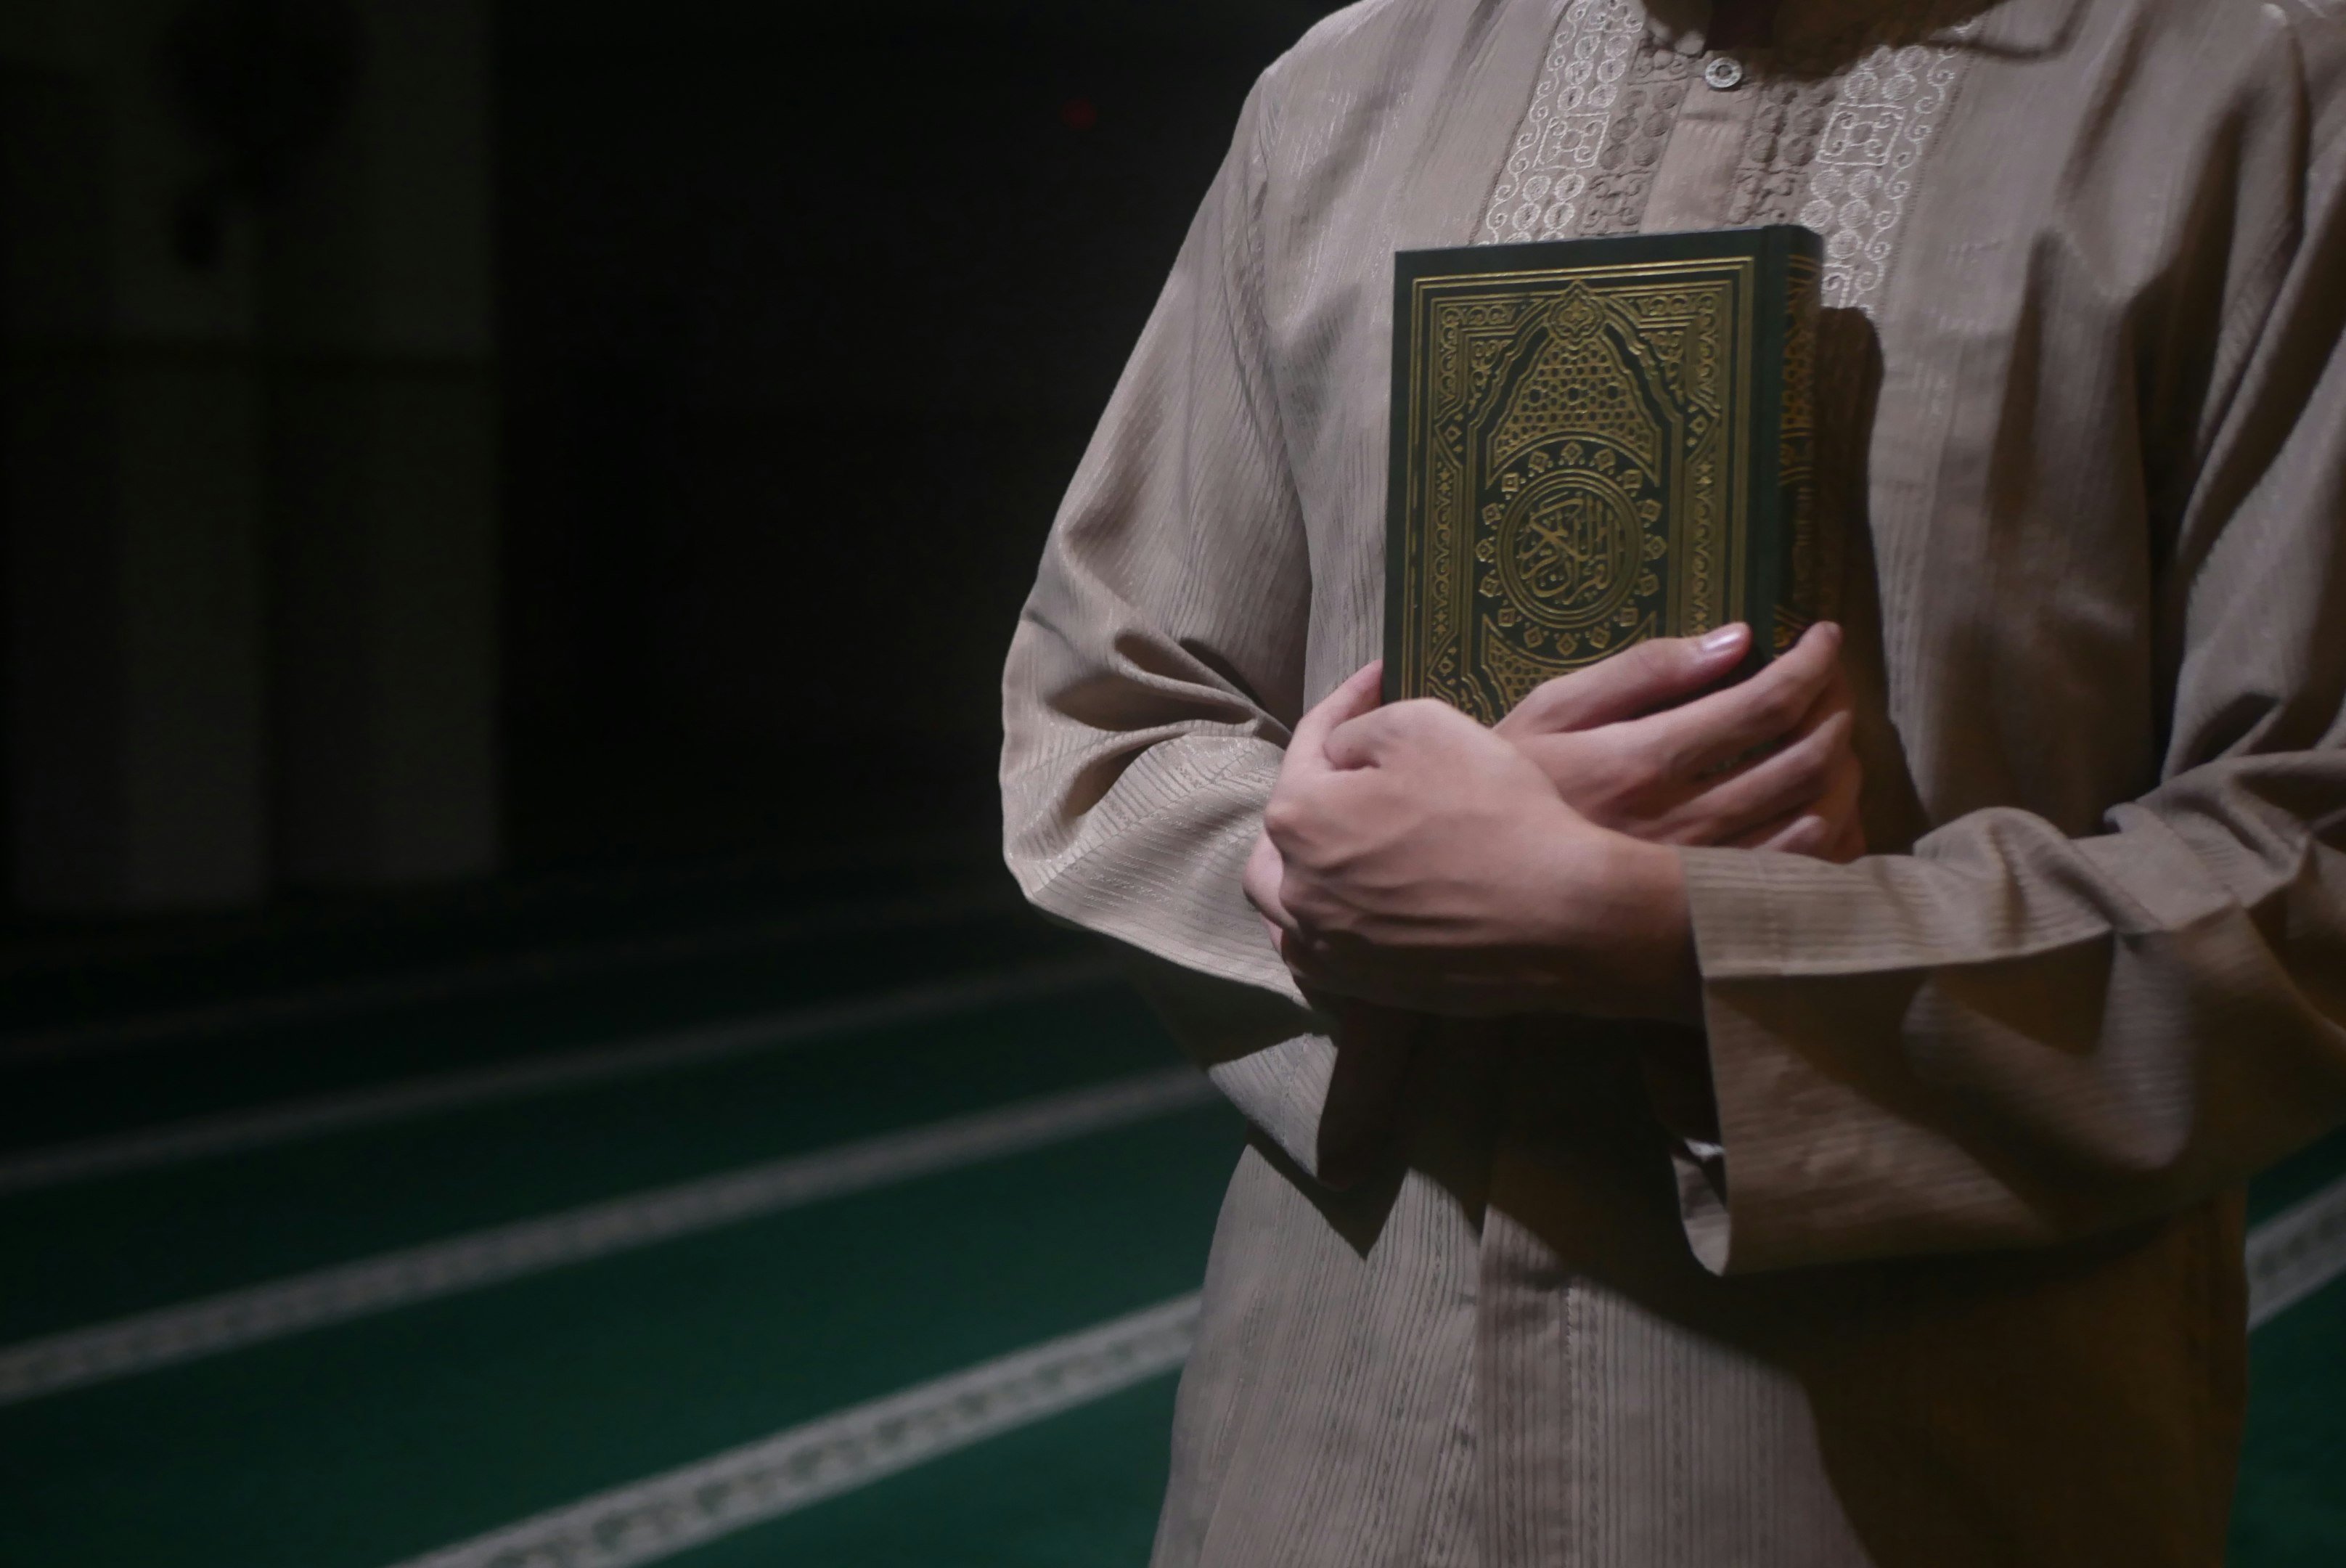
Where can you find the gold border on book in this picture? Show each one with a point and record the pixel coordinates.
(1805, 598)
(1704, 532)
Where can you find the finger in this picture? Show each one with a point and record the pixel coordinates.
(1843, 806)
(1800, 833)
(1771, 705)
(1806, 834)
(1265, 871)
(1831, 830)
(1799, 778)
(1307, 748)
(1654, 674)
(1373, 738)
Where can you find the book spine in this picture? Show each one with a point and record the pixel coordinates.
(1400, 571)
(1799, 601)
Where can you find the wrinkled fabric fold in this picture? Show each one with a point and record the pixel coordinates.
(1960, 1280)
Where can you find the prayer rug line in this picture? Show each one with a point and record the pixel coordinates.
(544, 965)
(2290, 1258)
(237, 1319)
(241, 1132)
(2296, 1253)
(763, 1481)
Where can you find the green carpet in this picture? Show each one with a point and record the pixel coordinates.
(368, 1443)
(2290, 1510)
(154, 1238)
(82, 1096)
(373, 1442)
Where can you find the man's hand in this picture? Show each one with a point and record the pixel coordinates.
(1418, 860)
(1765, 764)
(1637, 745)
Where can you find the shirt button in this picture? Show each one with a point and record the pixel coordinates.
(1724, 73)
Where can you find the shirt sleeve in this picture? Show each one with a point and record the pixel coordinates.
(1158, 668)
(2014, 1037)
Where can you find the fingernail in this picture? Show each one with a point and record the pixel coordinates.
(1725, 637)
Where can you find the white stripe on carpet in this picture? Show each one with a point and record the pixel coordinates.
(2296, 1253)
(535, 966)
(239, 1132)
(753, 1485)
(2290, 1258)
(129, 1346)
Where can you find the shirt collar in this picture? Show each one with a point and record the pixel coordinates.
(2003, 26)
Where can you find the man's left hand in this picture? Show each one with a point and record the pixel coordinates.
(1414, 859)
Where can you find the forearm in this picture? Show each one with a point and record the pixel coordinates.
(2011, 1038)
(1155, 861)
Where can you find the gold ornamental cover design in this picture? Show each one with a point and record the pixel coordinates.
(1596, 442)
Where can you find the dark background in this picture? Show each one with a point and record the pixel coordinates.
(806, 323)
(704, 538)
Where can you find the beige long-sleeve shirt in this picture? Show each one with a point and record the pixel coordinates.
(1964, 1286)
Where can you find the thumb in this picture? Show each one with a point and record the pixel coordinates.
(1307, 750)
(1265, 875)
(1654, 674)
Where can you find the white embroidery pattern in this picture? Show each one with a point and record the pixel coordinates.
(1884, 113)
(1884, 118)
(1539, 192)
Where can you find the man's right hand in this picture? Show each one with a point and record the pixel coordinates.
(1632, 744)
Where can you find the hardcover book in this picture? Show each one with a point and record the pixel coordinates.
(1596, 442)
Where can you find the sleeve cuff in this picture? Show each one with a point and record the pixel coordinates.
(1811, 987)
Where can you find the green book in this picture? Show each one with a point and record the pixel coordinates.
(1597, 441)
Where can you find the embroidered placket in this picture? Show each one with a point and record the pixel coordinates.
(1838, 153)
